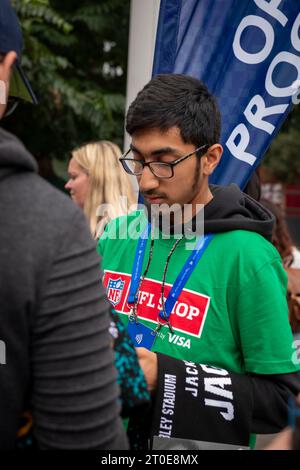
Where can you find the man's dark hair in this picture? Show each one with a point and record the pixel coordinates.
(176, 100)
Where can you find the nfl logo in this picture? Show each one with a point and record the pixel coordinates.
(114, 290)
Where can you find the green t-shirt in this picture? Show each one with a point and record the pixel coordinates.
(232, 312)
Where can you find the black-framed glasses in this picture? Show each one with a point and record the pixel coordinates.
(159, 169)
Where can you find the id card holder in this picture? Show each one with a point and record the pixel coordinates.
(141, 335)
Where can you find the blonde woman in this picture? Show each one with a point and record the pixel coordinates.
(98, 184)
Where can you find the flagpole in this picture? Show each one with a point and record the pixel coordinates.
(143, 26)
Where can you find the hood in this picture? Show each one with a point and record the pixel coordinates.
(14, 158)
(231, 209)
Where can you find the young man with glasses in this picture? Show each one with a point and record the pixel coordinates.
(57, 377)
(210, 323)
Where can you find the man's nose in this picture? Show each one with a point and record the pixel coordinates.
(148, 181)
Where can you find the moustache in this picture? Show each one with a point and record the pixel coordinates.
(153, 195)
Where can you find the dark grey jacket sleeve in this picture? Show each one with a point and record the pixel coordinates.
(74, 391)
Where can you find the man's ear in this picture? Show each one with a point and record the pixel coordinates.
(211, 159)
(6, 66)
(5, 73)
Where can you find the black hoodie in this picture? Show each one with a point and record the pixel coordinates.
(53, 316)
(231, 209)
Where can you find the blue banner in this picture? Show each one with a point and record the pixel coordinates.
(248, 54)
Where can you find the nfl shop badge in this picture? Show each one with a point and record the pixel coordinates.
(114, 290)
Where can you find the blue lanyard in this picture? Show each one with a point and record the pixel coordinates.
(138, 263)
(182, 277)
(185, 274)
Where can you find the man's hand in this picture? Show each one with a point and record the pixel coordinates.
(148, 362)
(281, 442)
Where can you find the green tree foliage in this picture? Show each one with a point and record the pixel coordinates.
(75, 55)
(283, 156)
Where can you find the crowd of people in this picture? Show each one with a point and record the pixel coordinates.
(139, 327)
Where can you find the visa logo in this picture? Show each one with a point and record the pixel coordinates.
(180, 341)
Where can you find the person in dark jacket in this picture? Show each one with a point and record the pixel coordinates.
(208, 314)
(57, 374)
